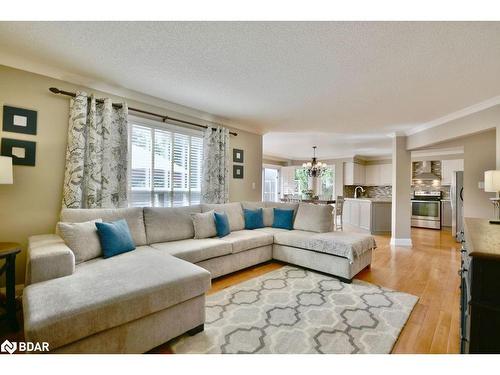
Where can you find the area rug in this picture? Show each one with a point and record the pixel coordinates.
(292, 310)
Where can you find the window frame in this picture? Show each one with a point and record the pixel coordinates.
(166, 126)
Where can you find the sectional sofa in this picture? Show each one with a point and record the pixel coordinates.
(135, 301)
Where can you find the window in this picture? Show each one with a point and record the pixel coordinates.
(271, 178)
(165, 165)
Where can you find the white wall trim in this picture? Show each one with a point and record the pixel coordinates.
(401, 242)
(478, 107)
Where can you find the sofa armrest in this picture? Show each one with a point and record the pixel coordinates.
(48, 258)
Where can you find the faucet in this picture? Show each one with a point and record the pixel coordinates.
(356, 191)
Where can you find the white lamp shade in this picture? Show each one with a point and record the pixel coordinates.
(6, 175)
(492, 181)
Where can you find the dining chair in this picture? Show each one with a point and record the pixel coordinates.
(337, 213)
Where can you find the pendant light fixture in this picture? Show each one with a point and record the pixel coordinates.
(314, 168)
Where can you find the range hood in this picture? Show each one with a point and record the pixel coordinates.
(426, 173)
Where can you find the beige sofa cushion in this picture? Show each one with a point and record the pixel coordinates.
(169, 223)
(48, 258)
(242, 240)
(271, 230)
(233, 211)
(344, 244)
(195, 251)
(314, 217)
(133, 216)
(105, 293)
(283, 206)
(82, 239)
(204, 225)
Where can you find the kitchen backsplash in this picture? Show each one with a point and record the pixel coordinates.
(386, 191)
(370, 191)
(418, 165)
(445, 190)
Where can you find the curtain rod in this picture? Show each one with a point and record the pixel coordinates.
(164, 118)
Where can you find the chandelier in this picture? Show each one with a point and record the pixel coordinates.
(314, 168)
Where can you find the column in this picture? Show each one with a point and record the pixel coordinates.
(497, 149)
(401, 192)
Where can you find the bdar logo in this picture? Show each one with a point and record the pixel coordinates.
(8, 347)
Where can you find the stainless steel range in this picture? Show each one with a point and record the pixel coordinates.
(426, 209)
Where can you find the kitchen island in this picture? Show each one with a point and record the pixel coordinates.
(369, 214)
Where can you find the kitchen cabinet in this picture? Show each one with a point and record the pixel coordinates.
(370, 215)
(479, 297)
(386, 174)
(447, 169)
(446, 213)
(372, 173)
(365, 215)
(378, 175)
(354, 173)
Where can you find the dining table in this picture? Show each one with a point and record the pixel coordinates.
(314, 201)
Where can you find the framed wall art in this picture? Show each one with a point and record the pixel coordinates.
(237, 155)
(22, 152)
(19, 120)
(237, 171)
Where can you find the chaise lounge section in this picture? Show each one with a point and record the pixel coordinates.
(133, 302)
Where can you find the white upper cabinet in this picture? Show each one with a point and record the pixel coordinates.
(378, 174)
(386, 174)
(354, 173)
(372, 174)
(447, 169)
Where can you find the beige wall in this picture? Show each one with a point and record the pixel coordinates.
(401, 191)
(468, 125)
(477, 134)
(250, 187)
(479, 156)
(32, 204)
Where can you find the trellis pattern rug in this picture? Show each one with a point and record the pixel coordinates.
(292, 310)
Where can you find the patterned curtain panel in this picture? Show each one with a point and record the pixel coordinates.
(96, 155)
(215, 170)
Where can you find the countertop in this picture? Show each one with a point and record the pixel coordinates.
(483, 238)
(373, 200)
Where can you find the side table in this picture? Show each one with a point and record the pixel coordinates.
(8, 252)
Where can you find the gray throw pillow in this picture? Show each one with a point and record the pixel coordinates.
(268, 214)
(204, 224)
(314, 218)
(82, 239)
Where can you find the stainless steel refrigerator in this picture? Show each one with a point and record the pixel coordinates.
(457, 204)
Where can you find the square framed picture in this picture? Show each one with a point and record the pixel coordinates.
(19, 120)
(237, 155)
(237, 171)
(22, 152)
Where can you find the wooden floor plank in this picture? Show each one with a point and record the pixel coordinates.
(428, 270)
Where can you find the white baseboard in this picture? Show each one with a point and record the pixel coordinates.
(401, 242)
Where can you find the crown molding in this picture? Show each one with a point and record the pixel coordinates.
(478, 107)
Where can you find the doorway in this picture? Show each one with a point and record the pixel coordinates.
(271, 184)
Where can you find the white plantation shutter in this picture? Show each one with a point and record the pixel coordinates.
(165, 166)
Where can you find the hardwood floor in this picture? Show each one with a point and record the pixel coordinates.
(428, 270)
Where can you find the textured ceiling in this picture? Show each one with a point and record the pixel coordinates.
(347, 84)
